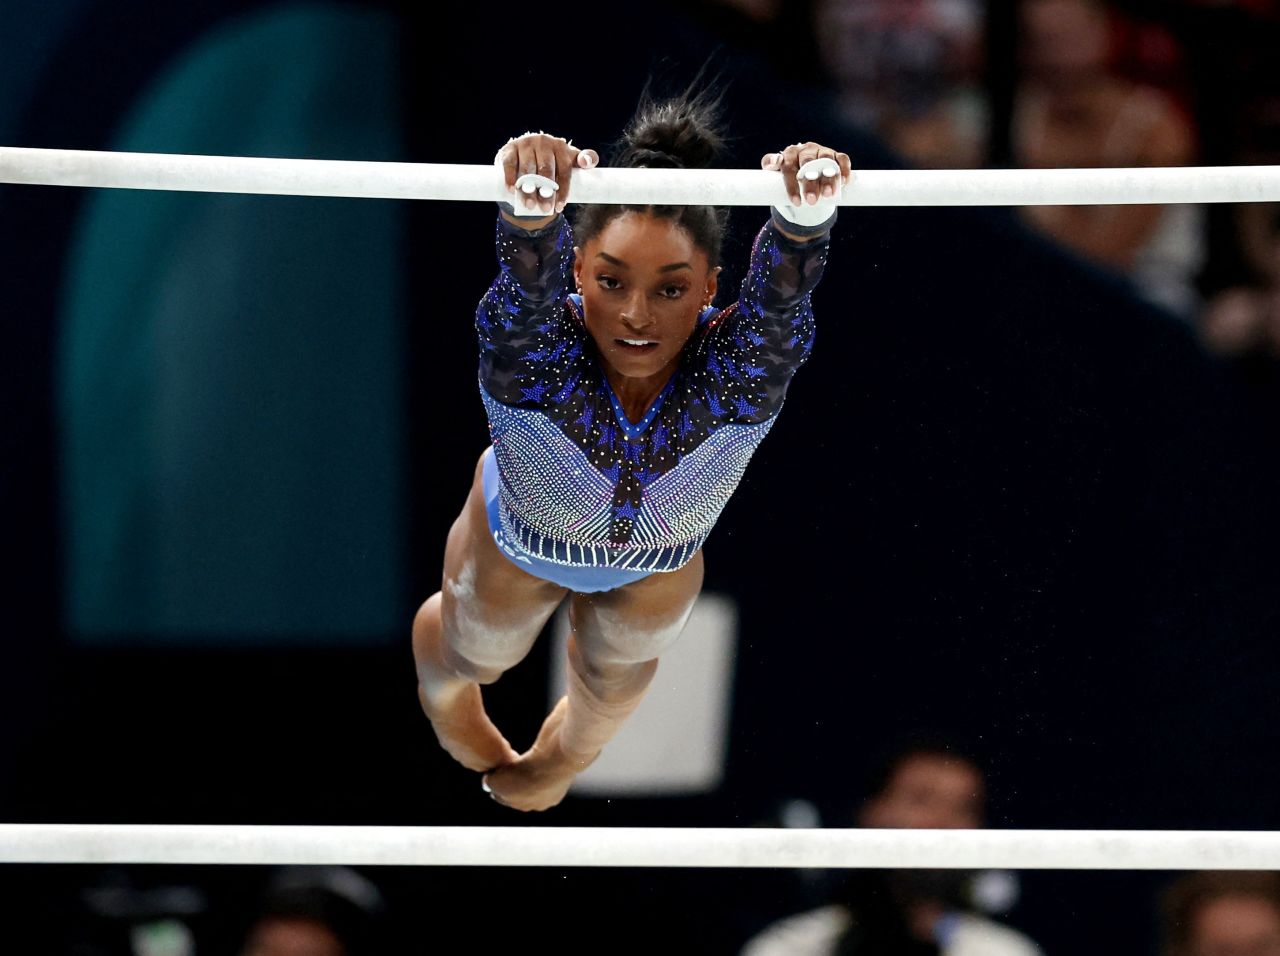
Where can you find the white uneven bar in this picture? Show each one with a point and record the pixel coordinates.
(717, 187)
(643, 847)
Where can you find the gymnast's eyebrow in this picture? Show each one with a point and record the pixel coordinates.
(671, 267)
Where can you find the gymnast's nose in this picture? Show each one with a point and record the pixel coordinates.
(635, 314)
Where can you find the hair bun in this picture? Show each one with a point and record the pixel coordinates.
(678, 133)
(681, 132)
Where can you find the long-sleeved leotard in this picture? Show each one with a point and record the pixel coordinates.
(581, 485)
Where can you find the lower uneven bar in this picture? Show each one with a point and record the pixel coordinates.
(643, 847)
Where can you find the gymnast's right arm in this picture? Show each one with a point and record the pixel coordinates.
(518, 317)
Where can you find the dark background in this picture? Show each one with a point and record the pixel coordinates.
(1007, 502)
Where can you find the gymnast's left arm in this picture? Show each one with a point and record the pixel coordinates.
(769, 333)
(790, 252)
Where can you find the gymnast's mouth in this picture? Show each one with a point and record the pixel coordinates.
(636, 345)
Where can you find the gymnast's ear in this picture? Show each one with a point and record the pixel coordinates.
(577, 267)
(713, 282)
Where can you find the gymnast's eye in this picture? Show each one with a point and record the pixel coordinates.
(608, 282)
(674, 291)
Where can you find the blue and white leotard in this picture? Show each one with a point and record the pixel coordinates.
(584, 497)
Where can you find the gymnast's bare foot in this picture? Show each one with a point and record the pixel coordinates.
(464, 729)
(540, 778)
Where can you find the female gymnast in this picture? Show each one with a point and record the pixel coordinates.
(622, 415)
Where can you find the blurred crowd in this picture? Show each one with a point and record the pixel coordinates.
(286, 911)
(933, 785)
(1093, 84)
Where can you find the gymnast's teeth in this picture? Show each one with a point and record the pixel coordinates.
(638, 342)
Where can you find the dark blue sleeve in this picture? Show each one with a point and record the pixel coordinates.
(522, 322)
(756, 345)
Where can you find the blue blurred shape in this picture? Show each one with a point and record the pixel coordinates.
(229, 368)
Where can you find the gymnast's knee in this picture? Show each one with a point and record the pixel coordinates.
(478, 644)
(607, 636)
(610, 681)
(433, 650)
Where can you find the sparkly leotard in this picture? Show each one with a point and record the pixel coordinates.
(580, 485)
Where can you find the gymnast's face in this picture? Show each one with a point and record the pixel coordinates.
(643, 282)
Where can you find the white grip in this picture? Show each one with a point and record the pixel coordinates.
(529, 188)
(817, 168)
(819, 212)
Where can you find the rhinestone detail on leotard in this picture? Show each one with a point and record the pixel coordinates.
(580, 485)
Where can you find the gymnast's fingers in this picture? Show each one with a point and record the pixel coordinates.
(771, 161)
(828, 173)
(846, 168)
(789, 164)
(545, 152)
(811, 183)
(572, 158)
(509, 160)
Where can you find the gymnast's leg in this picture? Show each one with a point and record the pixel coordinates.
(482, 622)
(613, 652)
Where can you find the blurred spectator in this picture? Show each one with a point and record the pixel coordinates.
(911, 71)
(124, 913)
(1244, 321)
(1149, 53)
(1074, 109)
(1223, 914)
(917, 912)
(318, 912)
(1243, 318)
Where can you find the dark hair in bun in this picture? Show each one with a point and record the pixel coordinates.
(683, 132)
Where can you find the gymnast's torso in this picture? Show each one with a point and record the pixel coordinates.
(580, 483)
